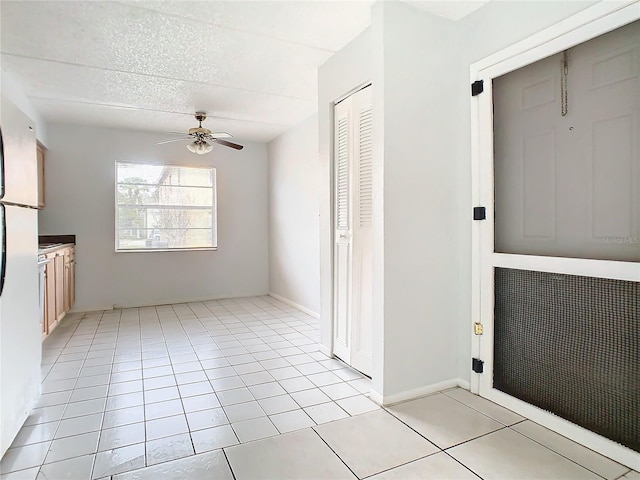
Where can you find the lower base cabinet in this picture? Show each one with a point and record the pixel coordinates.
(59, 287)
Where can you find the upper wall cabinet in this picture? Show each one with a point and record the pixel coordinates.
(19, 158)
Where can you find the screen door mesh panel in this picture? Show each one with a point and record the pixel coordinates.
(570, 345)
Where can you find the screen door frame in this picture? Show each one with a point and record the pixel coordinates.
(586, 25)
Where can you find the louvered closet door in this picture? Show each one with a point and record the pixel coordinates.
(342, 219)
(361, 335)
(353, 256)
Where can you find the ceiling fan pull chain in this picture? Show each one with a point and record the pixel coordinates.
(564, 85)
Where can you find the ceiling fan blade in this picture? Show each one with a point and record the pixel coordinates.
(228, 144)
(173, 140)
(175, 133)
(220, 135)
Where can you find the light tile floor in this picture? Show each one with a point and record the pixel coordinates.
(236, 389)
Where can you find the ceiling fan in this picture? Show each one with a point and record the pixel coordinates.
(201, 136)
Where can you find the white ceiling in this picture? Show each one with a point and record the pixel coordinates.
(149, 65)
(451, 9)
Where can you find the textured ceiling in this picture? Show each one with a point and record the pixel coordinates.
(149, 65)
(451, 9)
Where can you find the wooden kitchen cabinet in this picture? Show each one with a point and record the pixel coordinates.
(49, 299)
(58, 265)
(50, 318)
(59, 287)
(69, 278)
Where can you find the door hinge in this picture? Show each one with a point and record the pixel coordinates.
(477, 88)
(479, 213)
(477, 365)
(478, 328)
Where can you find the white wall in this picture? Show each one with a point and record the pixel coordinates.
(423, 70)
(420, 233)
(80, 178)
(419, 66)
(294, 256)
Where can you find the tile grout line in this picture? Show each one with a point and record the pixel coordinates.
(224, 452)
(402, 464)
(459, 462)
(95, 456)
(503, 427)
(67, 404)
(334, 452)
(243, 328)
(560, 454)
(443, 392)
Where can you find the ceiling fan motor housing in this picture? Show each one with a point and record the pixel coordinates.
(199, 131)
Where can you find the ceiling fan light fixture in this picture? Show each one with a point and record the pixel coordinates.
(200, 147)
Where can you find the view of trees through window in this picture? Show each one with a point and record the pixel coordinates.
(164, 207)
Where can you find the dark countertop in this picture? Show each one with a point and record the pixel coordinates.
(42, 239)
(51, 243)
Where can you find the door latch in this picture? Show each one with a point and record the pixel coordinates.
(478, 328)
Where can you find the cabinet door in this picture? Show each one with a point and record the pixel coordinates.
(69, 278)
(20, 162)
(65, 255)
(60, 280)
(72, 278)
(45, 307)
(50, 317)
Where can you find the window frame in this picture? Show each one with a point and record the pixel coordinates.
(214, 209)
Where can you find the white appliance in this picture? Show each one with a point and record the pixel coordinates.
(20, 330)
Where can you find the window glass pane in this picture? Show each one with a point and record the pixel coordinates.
(177, 217)
(164, 175)
(138, 173)
(163, 238)
(164, 207)
(194, 177)
(137, 194)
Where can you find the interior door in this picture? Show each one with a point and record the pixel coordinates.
(343, 140)
(353, 234)
(362, 311)
(19, 165)
(560, 273)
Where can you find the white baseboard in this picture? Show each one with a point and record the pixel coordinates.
(90, 309)
(295, 305)
(326, 350)
(375, 397)
(164, 301)
(463, 384)
(415, 393)
(171, 301)
(87, 309)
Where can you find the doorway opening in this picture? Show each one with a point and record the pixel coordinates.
(557, 260)
(353, 230)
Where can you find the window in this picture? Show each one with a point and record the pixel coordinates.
(165, 207)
